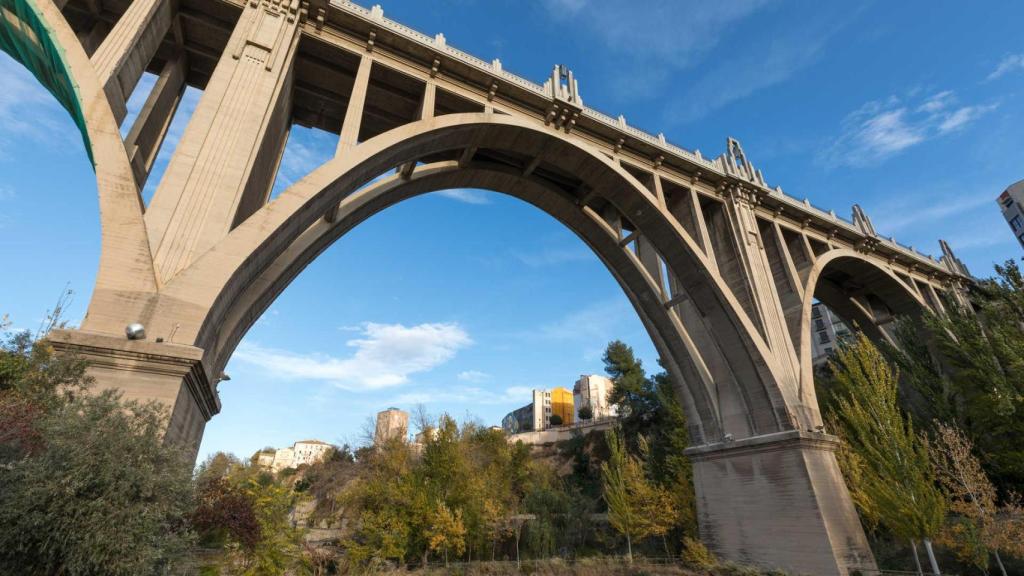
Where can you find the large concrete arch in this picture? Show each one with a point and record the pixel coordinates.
(221, 274)
(720, 267)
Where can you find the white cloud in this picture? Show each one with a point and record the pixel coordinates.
(475, 376)
(881, 129)
(1011, 63)
(466, 195)
(385, 356)
(964, 116)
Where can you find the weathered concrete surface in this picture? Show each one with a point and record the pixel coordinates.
(788, 484)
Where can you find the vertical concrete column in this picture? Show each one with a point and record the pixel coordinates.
(779, 501)
(150, 128)
(349, 136)
(126, 51)
(223, 168)
(760, 282)
(429, 100)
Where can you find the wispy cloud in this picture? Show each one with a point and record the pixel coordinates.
(466, 195)
(513, 395)
(904, 215)
(27, 110)
(1011, 63)
(385, 356)
(772, 63)
(882, 129)
(600, 322)
(672, 31)
(554, 256)
(475, 376)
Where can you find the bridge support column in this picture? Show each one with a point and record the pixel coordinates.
(172, 374)
(150, 128)
(779, 501)
(223, 168)
(124, 54)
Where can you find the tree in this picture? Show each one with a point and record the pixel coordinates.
(965, 368)
(556, 420)
(446, 532)
(896, 476)
(649, 409)
(586, 412)
(636, 508)
(104, 495)
(88, 485)
(980, 527)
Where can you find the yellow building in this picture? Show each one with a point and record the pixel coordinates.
(562, 404)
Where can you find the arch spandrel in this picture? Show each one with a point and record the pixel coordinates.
(872, 278)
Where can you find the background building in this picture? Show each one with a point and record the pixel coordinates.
(308, 452)
(302, 452)
(519, 420)
(593, 390)
(391, 423)
(283, 458)
(537, 414)
(1011, 201)
(826, 331)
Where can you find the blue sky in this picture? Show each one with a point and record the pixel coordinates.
(465, 300)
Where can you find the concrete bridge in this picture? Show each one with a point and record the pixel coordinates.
(721, 268)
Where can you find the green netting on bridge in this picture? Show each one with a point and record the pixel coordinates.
(25, 36)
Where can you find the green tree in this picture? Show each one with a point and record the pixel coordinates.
(88, 485)
(649, 409)
(636, 508)
(586, 412)
(104, 495)
(965, 368)
(896, 476)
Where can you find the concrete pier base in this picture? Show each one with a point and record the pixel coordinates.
(171, 374)
(779, 501)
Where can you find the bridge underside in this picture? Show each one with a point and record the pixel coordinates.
(722, 269)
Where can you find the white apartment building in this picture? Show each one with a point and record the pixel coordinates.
(826, 330)
(1011, 202)
(302, 452)
(593, 390)
(283, 458)
(308, 452)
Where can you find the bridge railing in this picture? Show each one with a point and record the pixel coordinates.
(658, 141)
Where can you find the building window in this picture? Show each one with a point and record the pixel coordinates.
(823, 337)
(819, 324)
(816, 313)
(1016, 223)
